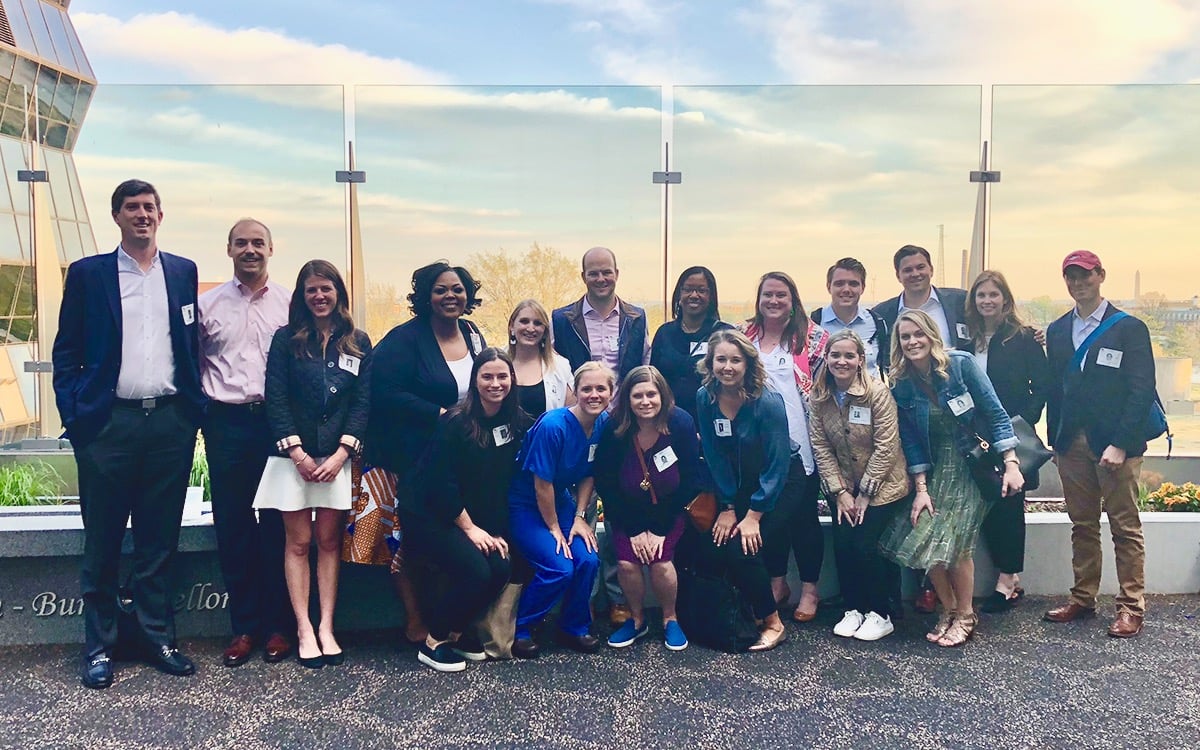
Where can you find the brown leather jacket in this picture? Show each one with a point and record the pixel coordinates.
(863, 458)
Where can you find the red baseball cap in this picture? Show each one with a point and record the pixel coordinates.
(1085, 259)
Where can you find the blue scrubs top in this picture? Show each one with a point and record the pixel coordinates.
(557, 451)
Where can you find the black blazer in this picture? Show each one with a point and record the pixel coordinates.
(1109, 404)
(87, 349)
(635, 514)
(954, 303)
(1019, 373)
(412, 384)
(316, 398)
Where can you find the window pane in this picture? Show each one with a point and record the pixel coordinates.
(20, 27)
(55, 20)
(7, 60)
(6, 203)
(54, 134)
(47, 81)
(10, 240)
(60, 187)
(10, 279)
(81, 60)
(64, 99)
(72, 247)
(15, 158)
(37, 24)
(12, 122)
(82, 99)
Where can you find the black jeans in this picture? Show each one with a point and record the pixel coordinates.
(747, 573)
(1004, 531)
(237, 443)
(136, 468)
(795, 526)
(473, 579)
(869, 581)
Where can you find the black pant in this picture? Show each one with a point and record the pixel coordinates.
(473, 579)
(747, 573)
(795, 526)
(237, 442)
(1004, 531)
(137, 467)
(869, 581)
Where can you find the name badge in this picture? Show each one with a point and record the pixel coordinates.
(723, 427)
(349, 363)
(189, 314)
(699, 349)
(783, 360)
(860, 415)
(960, 404)
(612, 343)
(591, 453)
(476, 343)
(665, 459)
(961, 329)
(1110, 357)
(502, 435)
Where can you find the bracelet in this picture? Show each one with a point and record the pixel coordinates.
(1016, 461)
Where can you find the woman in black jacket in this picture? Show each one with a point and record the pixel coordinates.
(424, 369)
(1016, 364)
(647, 469)
(681, 343)
(318, 394)
(456, 515)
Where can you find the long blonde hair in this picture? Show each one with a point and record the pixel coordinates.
(820, 387)
(546, 346)
(937, 349)
(755, 380)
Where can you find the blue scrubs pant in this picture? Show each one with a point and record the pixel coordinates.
(554, 576)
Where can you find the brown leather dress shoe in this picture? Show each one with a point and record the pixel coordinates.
(926, 601)
(278, 648)
(238, 652)
(1127, 625)
(618, 614)
(1069, 612)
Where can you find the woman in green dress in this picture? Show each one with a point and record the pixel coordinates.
(946, 404)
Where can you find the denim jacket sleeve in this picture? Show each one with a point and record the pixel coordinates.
(771, 417)
(989, 414)
(912, 438)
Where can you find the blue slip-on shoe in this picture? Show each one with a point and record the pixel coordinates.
(673, 638)
(627, 634)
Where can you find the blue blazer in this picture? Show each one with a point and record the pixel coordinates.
(954, 304)
(87, 349)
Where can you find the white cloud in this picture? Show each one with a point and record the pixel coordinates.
(932, 41)
(176, 47)
(639, 16)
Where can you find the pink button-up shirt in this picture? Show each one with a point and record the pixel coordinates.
(236, 326)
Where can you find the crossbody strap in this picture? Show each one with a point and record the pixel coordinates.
(1109, 322)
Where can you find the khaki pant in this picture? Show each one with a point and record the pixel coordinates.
(498, 626)
(1087, 488)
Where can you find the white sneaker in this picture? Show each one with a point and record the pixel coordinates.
(849, 625)
(874, 627)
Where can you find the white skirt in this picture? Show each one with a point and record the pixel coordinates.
(282, 488)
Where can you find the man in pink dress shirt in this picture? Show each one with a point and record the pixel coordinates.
(237, 321)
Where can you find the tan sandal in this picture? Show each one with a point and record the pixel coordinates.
(943, 624)
(960, 632)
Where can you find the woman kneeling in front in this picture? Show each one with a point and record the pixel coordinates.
(856, 441)
(647, 469)
(457, 513)
(548, 522)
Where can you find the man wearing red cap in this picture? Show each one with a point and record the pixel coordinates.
(1096, 420)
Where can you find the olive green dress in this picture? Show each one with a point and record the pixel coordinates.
(959, 508)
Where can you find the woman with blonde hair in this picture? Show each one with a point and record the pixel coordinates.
(947, 407)
(744, 431)
(544, 379)
(856, 442)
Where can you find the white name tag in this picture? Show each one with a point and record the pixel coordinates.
(722, 427)
(189, 314)
(961, 329)
(783, 361)
(591, 453)
(699, 349)
(612, 343)
(1109, 357)
(349, 363)
(476, 343)
(665, 459)
(960, 404)
(860, 415)
(502, 435)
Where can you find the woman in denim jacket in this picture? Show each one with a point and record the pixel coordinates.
(944, 400)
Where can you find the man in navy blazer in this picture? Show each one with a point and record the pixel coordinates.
(127, 385)
(1096, 419)
(946, 305)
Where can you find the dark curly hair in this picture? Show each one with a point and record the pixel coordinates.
(425, 277)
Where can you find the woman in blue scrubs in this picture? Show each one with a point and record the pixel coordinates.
(547, 500)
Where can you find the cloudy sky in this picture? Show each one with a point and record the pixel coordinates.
(805, 130)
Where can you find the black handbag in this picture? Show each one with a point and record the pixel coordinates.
(713, 613)
(987, 468)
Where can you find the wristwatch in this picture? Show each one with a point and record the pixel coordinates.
(581, 514)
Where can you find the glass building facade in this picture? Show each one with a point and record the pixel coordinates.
(46, 86)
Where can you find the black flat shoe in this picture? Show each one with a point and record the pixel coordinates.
(526, 648)
(334, 660)
(584, 644)
(168, 659)
(96, 672)
(310, 662)
(997, 602)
